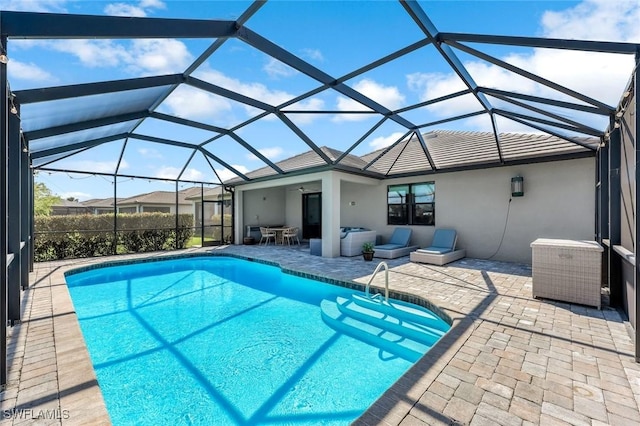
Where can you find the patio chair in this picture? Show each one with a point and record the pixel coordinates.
(290, 235)
(266, 235)
(442, 249)
(397, 246)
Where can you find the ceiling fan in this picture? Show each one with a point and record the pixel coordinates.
(303, 190)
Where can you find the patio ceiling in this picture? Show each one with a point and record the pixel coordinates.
(63, 121)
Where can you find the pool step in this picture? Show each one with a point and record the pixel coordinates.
(400, 328)
(404, 311)
(402, 324)
(387, 341)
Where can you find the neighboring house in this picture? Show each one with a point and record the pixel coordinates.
(451, 179)
(156, 202)
(100, 205)
(66, 207)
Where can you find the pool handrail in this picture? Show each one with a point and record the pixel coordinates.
(386, 280)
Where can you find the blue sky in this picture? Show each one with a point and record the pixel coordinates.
(335, 36)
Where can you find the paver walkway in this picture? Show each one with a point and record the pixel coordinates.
(509, 359)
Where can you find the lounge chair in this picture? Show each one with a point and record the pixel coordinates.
(397, 246)
(442, 249)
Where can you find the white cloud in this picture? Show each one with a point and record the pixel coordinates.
(167, 172)
(159, 56)
(595, 20)
(157, 4)
(31, 72)
(597, 75)
(387, 96)
(140, 57)
(93, 53)
(192, 174)
(276, 69)
(98, 166)
(34, 5)
(149, 153)
(187, 101)
(126, 9)
(310, 104)
(385, 141)
(272, 153)
(253, 90)
(123, 9)
(313, 54)
(226, 174)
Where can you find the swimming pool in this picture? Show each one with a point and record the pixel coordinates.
(218, 340)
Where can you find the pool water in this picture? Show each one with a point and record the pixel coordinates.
(215, 340)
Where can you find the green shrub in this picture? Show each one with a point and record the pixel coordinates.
(67, 237)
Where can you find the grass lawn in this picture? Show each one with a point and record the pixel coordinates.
(197, 241)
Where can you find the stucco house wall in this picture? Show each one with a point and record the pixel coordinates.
(558, 202)
(265, 206)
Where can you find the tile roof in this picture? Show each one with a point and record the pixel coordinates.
(306, 160)
(155, 197)
(448, 149)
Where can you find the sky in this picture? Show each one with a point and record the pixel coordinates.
(334, 36)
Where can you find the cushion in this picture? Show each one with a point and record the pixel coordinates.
(434, 250)
(444, 238)
(401, 237)
(388, 247)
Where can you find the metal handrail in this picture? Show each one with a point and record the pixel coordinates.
(386, 280)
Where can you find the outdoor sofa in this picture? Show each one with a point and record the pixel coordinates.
(352, 239)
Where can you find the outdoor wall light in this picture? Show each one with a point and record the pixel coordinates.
(4, 58)
(517, 186)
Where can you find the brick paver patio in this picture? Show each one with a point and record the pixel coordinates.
(509, 359)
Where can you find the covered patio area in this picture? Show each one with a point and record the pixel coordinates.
(508, 359)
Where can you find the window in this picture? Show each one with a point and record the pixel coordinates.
(157, 209)
(411, 204)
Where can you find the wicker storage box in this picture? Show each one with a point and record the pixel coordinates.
(567, 270)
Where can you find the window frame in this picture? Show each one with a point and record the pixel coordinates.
(405, 214)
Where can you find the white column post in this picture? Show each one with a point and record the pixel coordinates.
(238, 214)
(330, 215)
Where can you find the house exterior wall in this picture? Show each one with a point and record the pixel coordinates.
(268, 204)
(558, 202)
(183, 209)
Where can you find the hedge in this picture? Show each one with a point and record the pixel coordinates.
(68, 237)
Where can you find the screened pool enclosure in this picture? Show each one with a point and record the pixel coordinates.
(45, 130)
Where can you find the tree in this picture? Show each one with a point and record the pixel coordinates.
(43, 199)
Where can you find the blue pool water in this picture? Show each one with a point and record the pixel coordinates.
(215, 340)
